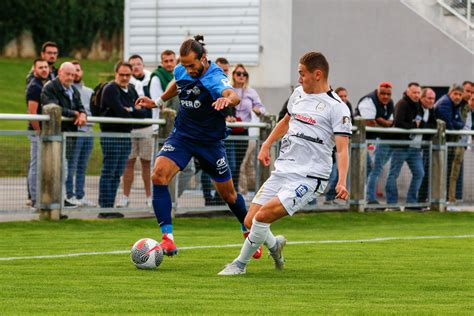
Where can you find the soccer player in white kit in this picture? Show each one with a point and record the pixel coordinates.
(317, 120)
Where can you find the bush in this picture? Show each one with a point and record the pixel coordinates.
(72, 24)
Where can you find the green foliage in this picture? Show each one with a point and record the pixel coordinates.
(72, 24)
(408, 277)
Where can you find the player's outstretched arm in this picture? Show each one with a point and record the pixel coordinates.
(280, 129)
(229, 98)
(342, 148)
(171, 91)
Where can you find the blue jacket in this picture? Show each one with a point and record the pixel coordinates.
(449, 113)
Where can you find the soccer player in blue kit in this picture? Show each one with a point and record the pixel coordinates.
(200, 127)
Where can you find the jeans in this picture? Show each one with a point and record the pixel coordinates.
(115, 152)
(331, 188)
(77, 166)
(381, 156)
(415, 162)
(425, 187)
(33, 169)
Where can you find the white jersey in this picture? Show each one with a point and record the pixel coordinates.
(306, 149)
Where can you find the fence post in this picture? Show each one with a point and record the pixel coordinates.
(164, 131)
(51, 164)
(439, 172)
(358, 167)
(264, 133)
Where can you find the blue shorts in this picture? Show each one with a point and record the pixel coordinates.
(211, 155)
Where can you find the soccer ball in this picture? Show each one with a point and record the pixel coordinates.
(146, 254)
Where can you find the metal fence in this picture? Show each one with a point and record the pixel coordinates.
(384, 174)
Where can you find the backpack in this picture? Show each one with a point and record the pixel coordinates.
(96, 100)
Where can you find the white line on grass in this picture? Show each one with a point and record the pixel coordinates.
(377, 239)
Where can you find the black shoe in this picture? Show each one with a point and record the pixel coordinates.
(62, 216)
(219, 201)
(373, 202)
(68, 204)
(209, 201)
(110, 215)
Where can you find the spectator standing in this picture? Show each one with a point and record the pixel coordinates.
(427, 100)
(49, 52)
(33, 101)
(408, 115)
(142, 144)
(377, 108)
(467, 110)
(447, 108)
(333, 178)
(61, 91)
(249, 102)
(118, 100)
(82, 148)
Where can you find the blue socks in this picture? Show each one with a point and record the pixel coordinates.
(239, 209)
(162, 207)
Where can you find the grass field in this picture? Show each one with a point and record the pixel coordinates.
(425, 276)
(13, 161)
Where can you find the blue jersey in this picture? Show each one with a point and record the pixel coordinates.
(196, 118)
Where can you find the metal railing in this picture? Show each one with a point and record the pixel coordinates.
(462, 9)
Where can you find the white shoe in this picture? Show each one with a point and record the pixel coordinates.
(452, 208)
(124, 202)
(149, 202)
(232, 269)
(277, 255)
(84, 202)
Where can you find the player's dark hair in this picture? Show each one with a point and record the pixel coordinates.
(222, 60)
(48, 44)
(315, 60)
(195, 45)
(120, 64)
(135, 57)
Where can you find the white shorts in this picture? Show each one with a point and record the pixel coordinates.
(293, 190)
(142, 146)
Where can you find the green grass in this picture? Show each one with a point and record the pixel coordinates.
(14, 150)
(417, 277)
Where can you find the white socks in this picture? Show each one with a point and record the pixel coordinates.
(259, 233)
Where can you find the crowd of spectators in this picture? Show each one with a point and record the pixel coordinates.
(64, 86)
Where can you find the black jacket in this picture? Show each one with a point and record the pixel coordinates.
(53, 92)
(114, 103)
(406, 112)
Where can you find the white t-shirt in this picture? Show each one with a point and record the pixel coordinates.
(367, 109)
(306, 149)
(140, 84)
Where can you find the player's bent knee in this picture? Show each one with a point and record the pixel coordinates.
(229, 197)
(159, 177)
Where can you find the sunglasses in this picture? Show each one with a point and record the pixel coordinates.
(239, 73)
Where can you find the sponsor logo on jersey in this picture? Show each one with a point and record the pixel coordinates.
(225, 82)
(320, 107)
(301, 190)
(285, 144)
(221, 165)
(191, 104)
(195, 90)
(167, 147)
(305, 119)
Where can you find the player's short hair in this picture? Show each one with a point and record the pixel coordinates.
(38, 60)
(167, 52)
(48, 44)
(135, 57)
(315, 60)
(195, 45)
(222, 60)
(456, 87)
(122, 63)
(339, 89)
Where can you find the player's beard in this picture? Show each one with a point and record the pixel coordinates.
(200, 70)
